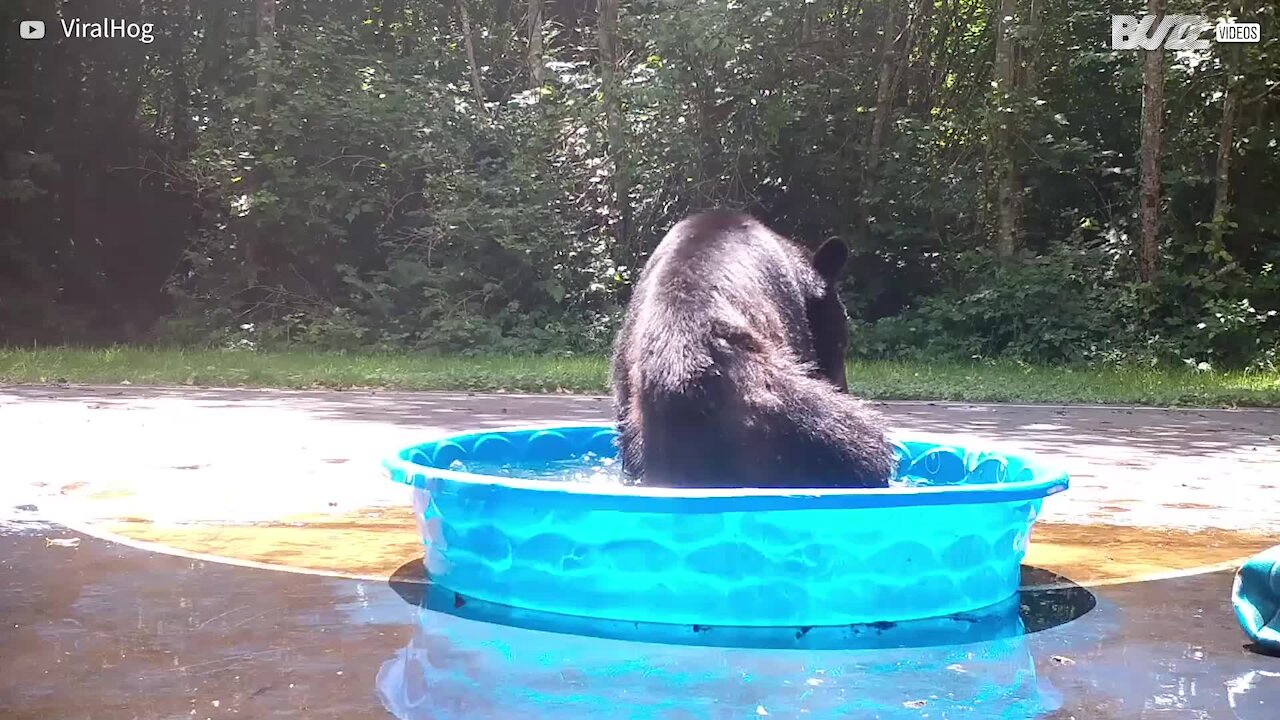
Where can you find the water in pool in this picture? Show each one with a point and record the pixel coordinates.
(593, 469)
(588, 468)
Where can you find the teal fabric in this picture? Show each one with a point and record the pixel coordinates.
(1256, 597)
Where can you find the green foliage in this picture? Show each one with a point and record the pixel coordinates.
(395, 215)
(1075, 307)
(1047, 309)
(348, 191)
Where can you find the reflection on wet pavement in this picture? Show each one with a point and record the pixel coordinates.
(94, 629)
(1248, 694)
(975, 664)
(104, 631)
(445, 672)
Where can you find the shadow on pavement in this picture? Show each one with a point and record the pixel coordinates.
(1032, 610)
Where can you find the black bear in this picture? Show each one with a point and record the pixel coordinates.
(729, 367)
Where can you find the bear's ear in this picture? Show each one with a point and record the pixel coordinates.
(829, 259)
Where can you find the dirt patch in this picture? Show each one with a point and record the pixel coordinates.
(1090, 554)
(371, 544)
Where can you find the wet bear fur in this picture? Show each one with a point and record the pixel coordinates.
(729, 368)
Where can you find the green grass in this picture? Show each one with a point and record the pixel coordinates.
(1003, 382)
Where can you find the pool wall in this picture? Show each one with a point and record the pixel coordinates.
(743, 557)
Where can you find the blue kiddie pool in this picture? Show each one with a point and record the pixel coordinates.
(538, 518)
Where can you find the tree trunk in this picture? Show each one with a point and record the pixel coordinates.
(266, 46)
(918, 65)
(211, 57)
(391, 14)
(1009, 190)
(468, 42)
(945, 25)
(257, 245)
(1226, 141)
(607, 37)
(534, 18)
(1152, 130)
(807, 23)
(1031, 48)
(182, 135)
(884, 87)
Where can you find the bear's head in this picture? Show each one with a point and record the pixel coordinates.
(828, 322)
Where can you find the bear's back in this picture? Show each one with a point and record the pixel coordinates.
(714, 372)
(718, 278)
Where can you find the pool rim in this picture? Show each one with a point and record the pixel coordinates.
(1048, 480)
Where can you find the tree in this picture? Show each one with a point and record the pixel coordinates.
(266, 50)
(260, 255)
(469, 44)
(885, 84)
(1226, 141)
(607, 38)
(320, 172)
(534, 54)
(1030, 48)
(1152, 134)
(1008, 182)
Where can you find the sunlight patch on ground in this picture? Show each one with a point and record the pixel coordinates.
(294, 480)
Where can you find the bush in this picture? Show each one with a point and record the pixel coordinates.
(1070, 307)
(1057, 308)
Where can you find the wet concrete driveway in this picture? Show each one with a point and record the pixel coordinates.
(106, 631)
(226, 553)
